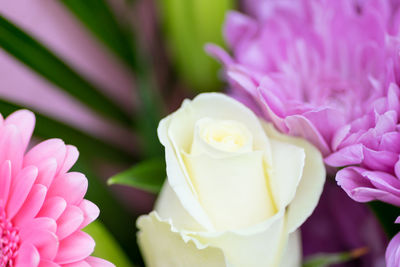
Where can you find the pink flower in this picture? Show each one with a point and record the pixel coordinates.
(369, 150)
(42, 210)
(314, 66)
(393, 250)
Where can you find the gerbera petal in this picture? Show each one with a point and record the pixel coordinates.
(69, 221)
(52, 148)
(53, 207)
(24, 120)
(74, 248)
(5, 181)
(42, 223)
(27, 256)
(90, 212)
(47, 263)
(32, 205)
(20, 189)
(71, 186)
(46, 171)
(46, 242)
(97, 262)
(71, 157)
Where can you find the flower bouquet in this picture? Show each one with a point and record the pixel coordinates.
(257, 133)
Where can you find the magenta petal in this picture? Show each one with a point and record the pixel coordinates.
(71, 186)
(238, 26)
(383, 181)
(379, 160)
(242, 80)
(71, 156)
(41, 223)
(32, 205)
(46, 242)
(47, 263)
(24, 120)
(393, 252)
(53, 207)
(27, 256)
(90, 212)
(20, 189)
(218, 53)
(339, 136)
(356, 183)
(5, 181)
(346, 156)
(78, 264)
(97, 262)
(52, 148)
(11, 147)
(397, 168)
(76, 247)
(298, 125)
(69, 221)
(46, 171)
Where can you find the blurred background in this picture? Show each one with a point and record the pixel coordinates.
(101, 74)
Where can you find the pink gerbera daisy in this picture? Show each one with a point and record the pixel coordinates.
(42, 210)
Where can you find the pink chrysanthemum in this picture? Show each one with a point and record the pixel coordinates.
(42, 210)
(312, 66)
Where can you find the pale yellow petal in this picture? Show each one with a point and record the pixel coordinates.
(292, 255)
(286, 171)
(260, 245)
(312, 181)
(168, 206)
(164, 246)
(177, 174)
(234, 191)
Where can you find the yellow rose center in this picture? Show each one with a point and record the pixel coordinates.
(224, 136)
(228, 175)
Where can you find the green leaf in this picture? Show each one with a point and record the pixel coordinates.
(147, 175)
(88, 145)
(386, 215)
(33, 54)
(327, 259)
(97, 16)
(106, 246)
(188, 26)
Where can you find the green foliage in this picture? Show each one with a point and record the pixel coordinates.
(147, 175)
(106, 246)
(33, 54)
(189, 25)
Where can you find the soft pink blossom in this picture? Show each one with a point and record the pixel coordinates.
(313, 66)
(42, 210)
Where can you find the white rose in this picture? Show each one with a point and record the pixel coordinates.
(236, 193)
